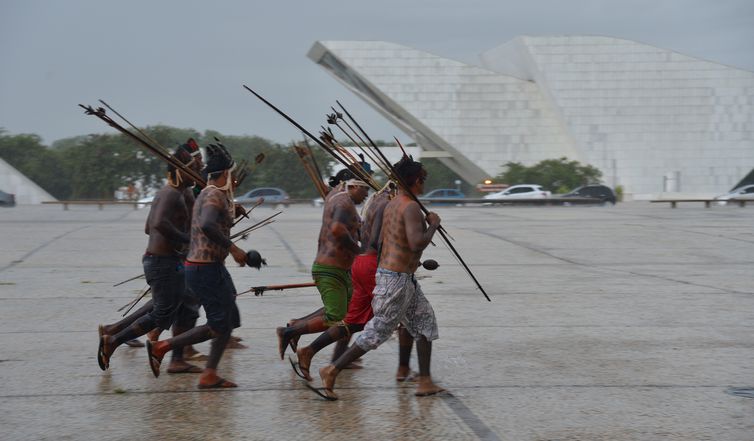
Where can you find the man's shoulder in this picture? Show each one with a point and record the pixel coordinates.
(213, 196)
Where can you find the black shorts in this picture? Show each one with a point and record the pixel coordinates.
(212, 284)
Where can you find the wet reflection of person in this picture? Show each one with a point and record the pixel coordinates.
(206, 275)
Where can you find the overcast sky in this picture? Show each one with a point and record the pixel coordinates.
(182, 63)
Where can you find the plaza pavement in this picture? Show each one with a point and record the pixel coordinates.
(632, 322)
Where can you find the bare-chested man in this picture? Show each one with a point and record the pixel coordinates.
(167, 226)
(362, 275)
(398, 298)
(206, 275)
(338, 245)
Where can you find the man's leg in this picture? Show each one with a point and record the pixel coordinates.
(389, 306)
(308, 326)
(425, 386)
(405, 344)
(334, 286)
(334, 333)
(209, 377)
(116, 327)
(422, 325)
(157, 350)
(186, 317)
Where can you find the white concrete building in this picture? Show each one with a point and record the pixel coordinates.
(650, 119)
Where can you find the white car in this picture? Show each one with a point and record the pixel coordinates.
(743, 192)
(523, 191)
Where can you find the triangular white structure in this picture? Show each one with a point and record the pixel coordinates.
(26, 190)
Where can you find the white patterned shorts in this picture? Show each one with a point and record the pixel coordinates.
(398, 298)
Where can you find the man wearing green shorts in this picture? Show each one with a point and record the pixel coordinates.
(338, 246)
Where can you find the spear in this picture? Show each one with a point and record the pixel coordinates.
(421, 206)
(136, 301)
(303, 154)
(128, 280)
(320, 143)
(256, 225)
(259, 290)
(301, 128)
(156, 149)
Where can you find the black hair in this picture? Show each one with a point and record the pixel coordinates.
(409, 171)
(343, 175)
(218, 159)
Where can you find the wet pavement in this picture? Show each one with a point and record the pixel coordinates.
(606, 323)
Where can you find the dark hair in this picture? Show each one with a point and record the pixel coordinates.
(218, 159)
(409, 171)
(343, 175)
(182, 154)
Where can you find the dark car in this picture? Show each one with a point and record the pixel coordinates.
(7, 199)
(596, 191)
(271, 195)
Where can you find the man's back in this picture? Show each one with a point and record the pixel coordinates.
(396, 254)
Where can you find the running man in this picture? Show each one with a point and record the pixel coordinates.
(167, 226)
(338, 245)
(206, 275)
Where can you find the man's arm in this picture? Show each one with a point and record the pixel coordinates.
(418, 238)
(340, 227)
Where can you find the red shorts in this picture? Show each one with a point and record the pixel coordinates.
(362, 276)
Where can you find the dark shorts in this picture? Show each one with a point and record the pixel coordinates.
(212, 284)
(188, 312)
(166, 278)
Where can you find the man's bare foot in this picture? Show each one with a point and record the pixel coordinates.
(182, 367)
(305, 356)
(404, 373)
(283, 341)
(294, 340)
(210, 380)
(426, 387)
(235, 344)
(328, 375)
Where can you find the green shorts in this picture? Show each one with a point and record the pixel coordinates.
(334, 285)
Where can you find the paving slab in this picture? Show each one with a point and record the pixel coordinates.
(626, 322)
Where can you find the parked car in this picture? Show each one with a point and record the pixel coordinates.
(441, 194)
(271, 195)
(597, 191)
(746, 191)
(7, 199)
(522, 191)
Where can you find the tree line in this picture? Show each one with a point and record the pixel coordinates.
(95, 166)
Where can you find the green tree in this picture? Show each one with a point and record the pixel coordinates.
(440, 176)
(557, 175)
